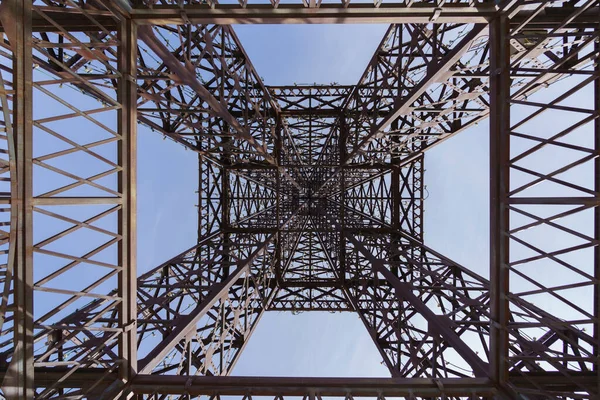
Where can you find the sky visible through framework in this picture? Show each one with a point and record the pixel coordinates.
(456, 210)
(456, 207)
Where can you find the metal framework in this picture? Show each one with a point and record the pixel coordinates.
(310, 198)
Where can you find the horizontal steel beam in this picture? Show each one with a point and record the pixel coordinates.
(229, 14)
(333, 89)
(299, 386)
(84, 378)
(240, 385)
(284, 386)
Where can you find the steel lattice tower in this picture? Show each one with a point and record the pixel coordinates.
(310, 198)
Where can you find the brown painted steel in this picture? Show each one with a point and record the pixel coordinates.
(310, 198)
(18, 383)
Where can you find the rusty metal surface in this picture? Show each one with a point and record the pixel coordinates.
(310, 198)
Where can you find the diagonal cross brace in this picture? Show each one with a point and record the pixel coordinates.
(404, 291)
(189, 78)
(189, 321)
(435, 73)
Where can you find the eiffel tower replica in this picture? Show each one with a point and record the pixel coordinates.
(310, 198)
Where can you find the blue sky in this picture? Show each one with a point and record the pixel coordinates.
(315, 344)
(456, 206)
(167, 213)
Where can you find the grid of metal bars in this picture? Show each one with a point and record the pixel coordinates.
(310, 198)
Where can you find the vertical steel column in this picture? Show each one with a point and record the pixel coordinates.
(499, 187)
(278, 157)
(226, 203)
(127, 153)
(596, 350)
(199, 191)
(395, 183)
(343, 150)
(16, 20)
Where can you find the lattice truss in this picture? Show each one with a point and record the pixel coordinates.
(310, 198)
